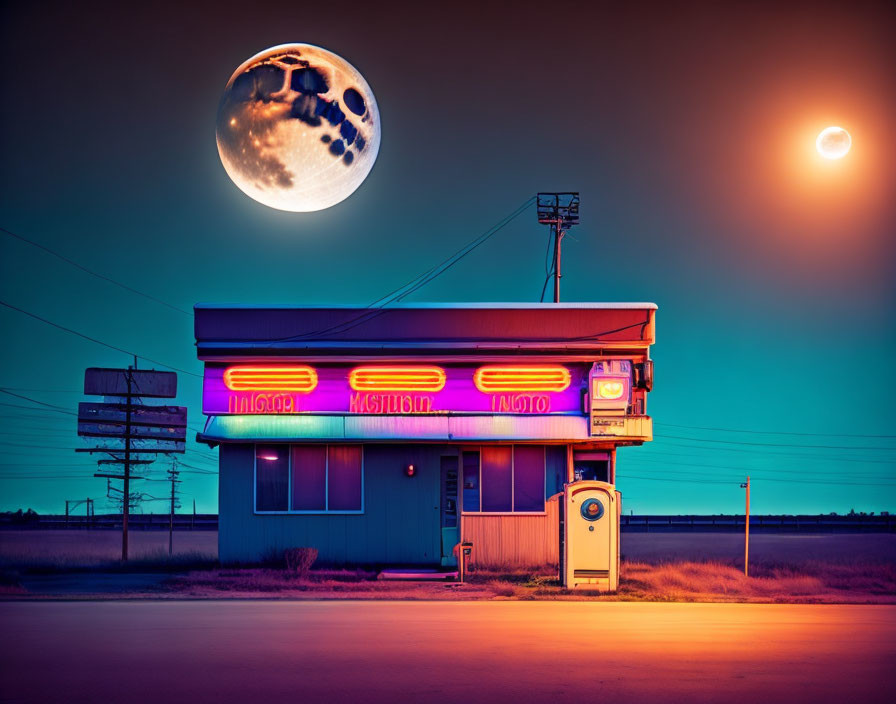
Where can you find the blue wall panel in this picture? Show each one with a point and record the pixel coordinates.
(400, 523)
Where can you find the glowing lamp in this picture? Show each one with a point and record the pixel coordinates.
(497, 379)
(609, 389)
(269, 457)
(376, 379)
(292, 378)
(410, 470)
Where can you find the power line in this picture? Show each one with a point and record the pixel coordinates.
(770, 432)
(93, 273)
(736, 480)
(752, 470)
(757, 453)
(99, 342)
(376, 308)
(34, 400)
(775, 444)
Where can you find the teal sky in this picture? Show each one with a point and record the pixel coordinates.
(689, 133)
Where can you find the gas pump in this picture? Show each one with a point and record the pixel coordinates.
(589, 536)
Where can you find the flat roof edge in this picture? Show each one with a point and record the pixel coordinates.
(413, 306)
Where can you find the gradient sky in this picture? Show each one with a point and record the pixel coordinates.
(689, 131)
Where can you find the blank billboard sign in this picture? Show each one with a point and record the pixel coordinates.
(114, 382)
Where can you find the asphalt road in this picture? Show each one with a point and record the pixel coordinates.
(366, 652)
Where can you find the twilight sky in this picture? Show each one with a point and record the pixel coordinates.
(689, 131)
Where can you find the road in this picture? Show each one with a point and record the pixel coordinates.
(368, 652)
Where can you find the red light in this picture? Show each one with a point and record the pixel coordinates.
(511, 378)
(295, 378)
(375, 379)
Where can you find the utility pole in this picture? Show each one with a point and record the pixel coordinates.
(125, 505)
(560, 211)
(558, 236)
(747, 531)
(193, 519)
(66, 513)
(172, 475)
(157, 429)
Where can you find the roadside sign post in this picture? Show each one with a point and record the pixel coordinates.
(156, 429)
(747, 530)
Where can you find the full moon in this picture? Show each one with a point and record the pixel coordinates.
(298, 128)
(833, 142)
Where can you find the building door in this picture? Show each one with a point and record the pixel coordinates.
(449, 509)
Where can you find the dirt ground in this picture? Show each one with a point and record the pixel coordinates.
(798, 568)
(83, 548)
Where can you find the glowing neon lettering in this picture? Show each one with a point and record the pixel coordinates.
(295, 378)
(521, 403)
(515, 378)
(410, 378)
(389, 403)
(261, 403)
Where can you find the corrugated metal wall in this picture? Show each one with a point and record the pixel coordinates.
(511, 542)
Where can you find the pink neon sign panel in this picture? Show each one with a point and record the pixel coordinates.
(334, 394)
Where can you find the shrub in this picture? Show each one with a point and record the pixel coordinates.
(299, 560)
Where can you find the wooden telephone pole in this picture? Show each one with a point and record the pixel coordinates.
(142, 429)
(172, 476)
(747, 531)
(560, 211)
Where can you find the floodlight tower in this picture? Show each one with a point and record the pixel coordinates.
(560, 211)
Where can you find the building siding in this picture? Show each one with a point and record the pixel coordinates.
(400, 524)
(514, 541)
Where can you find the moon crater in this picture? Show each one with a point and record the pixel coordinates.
(298, 128)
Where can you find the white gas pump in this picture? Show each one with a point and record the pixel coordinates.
(589, 536)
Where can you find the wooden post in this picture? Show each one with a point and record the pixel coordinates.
(66, 513)
(126, 500)
(171, 518)
(747, 532)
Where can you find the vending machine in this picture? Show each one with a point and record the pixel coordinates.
(589, 536)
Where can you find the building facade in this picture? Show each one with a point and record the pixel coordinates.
(387, 436)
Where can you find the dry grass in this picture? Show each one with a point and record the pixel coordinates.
(317, 584)
(61, 550)
(855, 568)
(713, 581)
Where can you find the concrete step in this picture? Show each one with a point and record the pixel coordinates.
(416, 574)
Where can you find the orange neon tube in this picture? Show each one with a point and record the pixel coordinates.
(424, 379)
(293, 378)
(512, 378)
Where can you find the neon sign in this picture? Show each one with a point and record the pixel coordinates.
(378, 379)
(296, 379)
(407, 389)
(515, 378)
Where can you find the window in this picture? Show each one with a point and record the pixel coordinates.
(528, 478)
(471, 481)
(309, 478)
(271, 477)
(497, 478)
(505, 479)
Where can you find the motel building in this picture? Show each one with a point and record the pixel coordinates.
(386, 437)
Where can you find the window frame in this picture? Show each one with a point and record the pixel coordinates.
(480, 512)
(312, 512)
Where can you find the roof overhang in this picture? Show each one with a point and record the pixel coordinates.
(411, 331)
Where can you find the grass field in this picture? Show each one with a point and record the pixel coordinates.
(656, 566)
(71, 549)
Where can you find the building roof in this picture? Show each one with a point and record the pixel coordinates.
(228, 332)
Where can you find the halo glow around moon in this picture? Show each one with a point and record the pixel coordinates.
(298, 128)
(833, 142)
